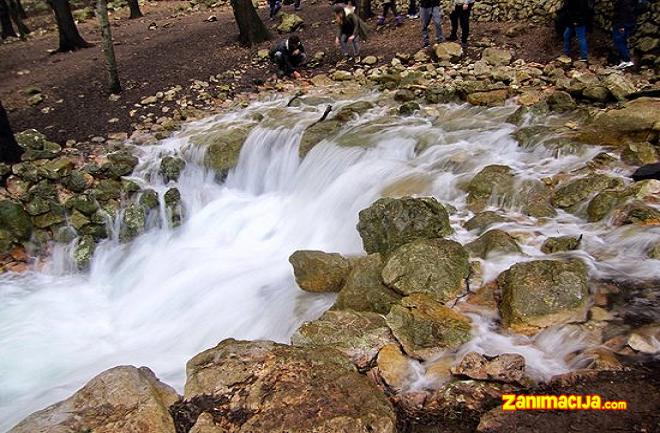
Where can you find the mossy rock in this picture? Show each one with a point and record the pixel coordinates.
(560, 244)
(120, 163)
(578, 190)
(426, 328)
(436, 267)
(636, 212)
(317, 133)
(543, 293)
(391, 222)
(493, 180)
(483, 220)
(317, 271)
(83, 251)
(133, 222)
(493, 242)
(223, 146)
(14, 221)
(603, 203)
(171, 167)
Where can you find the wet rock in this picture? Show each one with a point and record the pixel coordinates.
(632, 122)
(353, 111)
(107, 189)
(404, 95)
(15, 220)
(223, 147)
(121, 163)
(171, 168)
(149, 199)
(268, 387)
(580, 189)
(316, 271)
(493, 180)
(394, 367)
(496, 56)
(483, 220)
(83, 203)
(636, 212)
(533, 198)
(543, 293)
(56, 169)
(408, 108)
(561, 101)
(490, 98)
(436, 267)
(364, 290)
(122, 399)
(132, 223)
(506, 368)
(426, 328)
(448, 52)
(316, 133)
(602, 204)
(639, 153)
(359, 335)
(493, 242)
(289, 23)
(173, 206)
(83, 251)
(561, 243)
(391, 222)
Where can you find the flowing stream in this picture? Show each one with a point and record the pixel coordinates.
(171, 293)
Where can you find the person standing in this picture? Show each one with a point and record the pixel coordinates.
(624, 21)
(275, 6)
(430, 9)
(413, 13)
(578, 14)
(389, 5)
(350, 31)
(461, 14)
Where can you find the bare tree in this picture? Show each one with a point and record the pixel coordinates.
(10, 151)
(134, 6)
(70, 39)
(251, 29)
(107, 47)
(6, 27)
(15, 13)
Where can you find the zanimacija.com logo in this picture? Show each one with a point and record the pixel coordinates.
(512, 402)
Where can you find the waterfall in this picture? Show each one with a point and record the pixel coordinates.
(172, 293)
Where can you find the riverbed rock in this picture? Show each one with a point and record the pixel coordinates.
(543, 293)
(15, 221)
(394, 367)
(223, 146)
(489, 98)
(391, 222)
(619, 86)
(448, 52)
(316, 271)
(36, 146)
(171, 167)
(132, 223)
(496, 56)
(506, 368)
(561, 101)
(492, 180)
(603, 203)
(632, 122)
(575, 191)
(483, 220)
(436, 267)
(261, 386)
(493, 242)
(363, 288)
(121, 399)
(426, 328)
(120, 163)
(636, 212)
(359, 335)
(561, 243)
(639, 153)
(173, 206)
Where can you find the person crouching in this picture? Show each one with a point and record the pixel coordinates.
(288, 56)
(350, 31)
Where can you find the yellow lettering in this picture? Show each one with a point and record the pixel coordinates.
(508, 402)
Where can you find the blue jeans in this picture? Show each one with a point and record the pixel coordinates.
(434, 13)
(620, 39)
(581, 33)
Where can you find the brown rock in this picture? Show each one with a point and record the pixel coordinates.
(316, 271)
(507, 368)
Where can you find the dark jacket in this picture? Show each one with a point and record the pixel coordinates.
(283, 56)
(429, 3)
(625, 13)
(352, 26)
(578, 12)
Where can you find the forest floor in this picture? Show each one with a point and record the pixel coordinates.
(171, 46)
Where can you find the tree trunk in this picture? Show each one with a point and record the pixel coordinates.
(15, 12)
(251, 29)
(134, 6)
(6, 27)
(70, 39)
(21, 10)
(10, 151)
(365, 11)
(108, 49)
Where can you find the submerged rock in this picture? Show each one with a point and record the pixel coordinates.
(507, 368)
(493, 242)
(364, 289)
(359, 335)
(316, 271)
(436, 267)
(223, 147)
(122, 399)
(391, 222)
(561, 243)
(426, 328)
(261, 386)
(543, 293)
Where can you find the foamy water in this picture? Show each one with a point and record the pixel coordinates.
(172, 293)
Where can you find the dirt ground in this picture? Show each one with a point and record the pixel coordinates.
(168, 47)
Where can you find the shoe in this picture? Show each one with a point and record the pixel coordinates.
(426, 45)
(624, 65)
(398, 20)
(380, 21)
(413, 16)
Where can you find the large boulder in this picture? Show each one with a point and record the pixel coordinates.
(436, 267)
(316, 271)
(391, 222)
(575, 191)
(543, 293)
(261, 386)
(426, 328)
(496, 56)
(359, 335)
(493, 242)
(493, 180)
(619, 86)
(122, 399)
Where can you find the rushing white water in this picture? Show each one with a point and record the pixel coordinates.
(169, 294)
